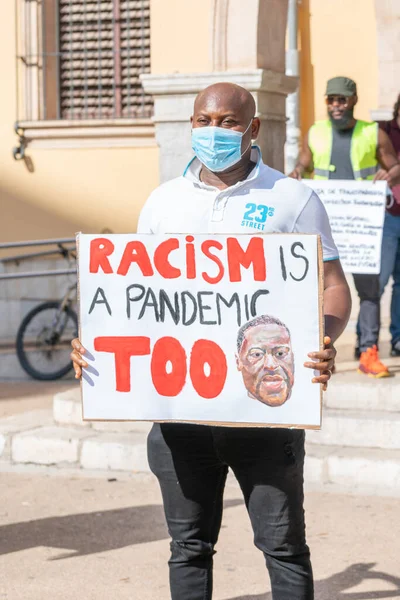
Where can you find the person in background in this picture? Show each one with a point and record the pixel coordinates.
(343, 147)
(390, 264)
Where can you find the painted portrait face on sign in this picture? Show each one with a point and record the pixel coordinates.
(265, 360)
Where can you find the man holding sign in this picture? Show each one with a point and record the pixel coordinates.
(344, 148)
(227, 188)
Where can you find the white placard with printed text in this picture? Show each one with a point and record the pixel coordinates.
(356, 211)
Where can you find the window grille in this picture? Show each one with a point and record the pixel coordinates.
(81, 59)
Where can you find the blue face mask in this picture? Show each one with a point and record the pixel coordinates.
(218, 148)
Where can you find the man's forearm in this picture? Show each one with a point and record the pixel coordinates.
(337, 309)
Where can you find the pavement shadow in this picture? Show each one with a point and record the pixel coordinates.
(89, 533)
(336, 586)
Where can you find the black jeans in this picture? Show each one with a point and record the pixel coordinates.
(369, 317)
(191, 463)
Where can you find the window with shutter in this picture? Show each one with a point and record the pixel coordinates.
(88, 59)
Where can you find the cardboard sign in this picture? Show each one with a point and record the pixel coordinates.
(205, 328)
(356, 211)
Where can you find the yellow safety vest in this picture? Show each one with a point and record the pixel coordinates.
(364, 143)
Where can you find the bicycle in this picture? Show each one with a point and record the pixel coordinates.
(44, 336)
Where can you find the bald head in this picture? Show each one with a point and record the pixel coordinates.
(228, 106)
(227, 96)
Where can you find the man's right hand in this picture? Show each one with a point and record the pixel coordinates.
(296, 174)
(76, 357)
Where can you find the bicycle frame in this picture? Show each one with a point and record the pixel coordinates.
(66, 301)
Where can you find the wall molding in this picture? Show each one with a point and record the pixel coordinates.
(254, 80)
(219, 49)
(117, 133)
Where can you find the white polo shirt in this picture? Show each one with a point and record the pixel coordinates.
(266, 202)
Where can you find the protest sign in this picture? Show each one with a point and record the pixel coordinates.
(205, 329)
(356, 211)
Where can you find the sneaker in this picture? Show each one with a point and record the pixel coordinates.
(395, 349)
(357, 353)
(371, 365)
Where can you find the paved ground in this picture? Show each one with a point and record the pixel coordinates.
(64, 538)
(17, 397)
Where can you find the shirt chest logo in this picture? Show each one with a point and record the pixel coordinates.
(256, 215)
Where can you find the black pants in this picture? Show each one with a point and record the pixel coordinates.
(369, 317)
(191, 463)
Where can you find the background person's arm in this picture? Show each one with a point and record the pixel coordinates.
(387, 158)
(304, 162)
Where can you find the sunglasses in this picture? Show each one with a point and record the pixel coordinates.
(341, 100)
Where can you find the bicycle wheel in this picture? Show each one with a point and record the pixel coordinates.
(43, 341)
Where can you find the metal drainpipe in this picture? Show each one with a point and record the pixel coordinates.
(292, 101)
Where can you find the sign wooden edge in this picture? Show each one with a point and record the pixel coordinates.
(321, 288)
(245, 425)
(78, 300)
(235, 424)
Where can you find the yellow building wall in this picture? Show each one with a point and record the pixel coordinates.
(70, 189)
(180, 36)
(337, 38)
(73, 190)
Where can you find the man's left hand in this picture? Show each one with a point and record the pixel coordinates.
(324, 362)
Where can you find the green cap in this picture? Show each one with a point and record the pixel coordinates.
(341, 86)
